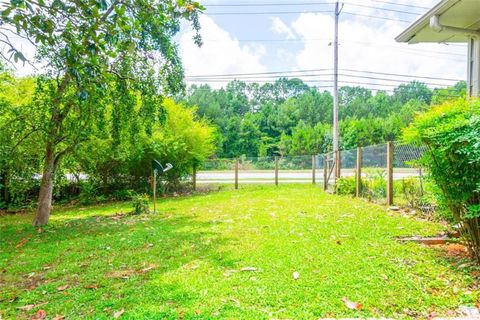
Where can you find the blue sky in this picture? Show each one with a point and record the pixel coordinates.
(253, 43)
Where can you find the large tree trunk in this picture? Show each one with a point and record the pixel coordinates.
(46, 188)
(51, 158)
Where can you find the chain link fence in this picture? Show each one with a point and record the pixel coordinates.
(260, 170)
(400, 160)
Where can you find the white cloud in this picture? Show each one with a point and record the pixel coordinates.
(279, 27)
(369, 45)
(220, 54)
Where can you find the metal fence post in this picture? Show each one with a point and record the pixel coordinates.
(390, 173)
(338, 164)
(314, 167)
(276, 170)
(358, 189)
(236, 173)
(325, 172)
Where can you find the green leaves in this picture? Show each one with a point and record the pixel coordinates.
(473, 211)
(17, 3)
(6, 12)
(451, 132)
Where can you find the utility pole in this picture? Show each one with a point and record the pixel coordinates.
(335, 91)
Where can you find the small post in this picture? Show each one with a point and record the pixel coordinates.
(338, 163)
(390, 173)
(420, 176)
(276, 170)
(194, 177)
(314, 167)
(154, 191)
(325, 172)
(358, 173)
(236, 174)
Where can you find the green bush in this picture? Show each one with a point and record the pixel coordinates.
(140, 204)
(412, 191)
(346, 186)
(374, 186)
(88, 192)
(451, 133)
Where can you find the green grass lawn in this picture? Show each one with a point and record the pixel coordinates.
(186, 262)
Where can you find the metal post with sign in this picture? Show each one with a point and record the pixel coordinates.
(158, 168)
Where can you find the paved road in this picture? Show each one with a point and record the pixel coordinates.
(293, 176)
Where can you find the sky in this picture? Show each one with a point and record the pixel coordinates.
(245, 36)
(293, 38)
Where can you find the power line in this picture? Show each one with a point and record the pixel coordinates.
(400, 4)
(258, 73)
(299, 12)
(280, 73)
(316, 11)
(380, 8)
(403, 75)
(268, 4)
(260, 13)
(256, 80)
(304, 4)
(375, 17)
(272, 77)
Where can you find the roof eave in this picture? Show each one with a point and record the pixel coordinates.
(411, 31)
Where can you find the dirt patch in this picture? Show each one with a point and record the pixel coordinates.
(32, 281)
(454, 250)
(429, 241)
(10, 212)
(127, 273)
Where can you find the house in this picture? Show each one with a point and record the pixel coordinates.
(451, 21)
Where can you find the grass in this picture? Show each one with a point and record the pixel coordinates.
(186, 261)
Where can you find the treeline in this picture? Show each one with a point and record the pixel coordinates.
(288, 117)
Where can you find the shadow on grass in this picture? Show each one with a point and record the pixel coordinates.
(123, 258)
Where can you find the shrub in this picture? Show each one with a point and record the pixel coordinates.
(140, 204)
(412, 191)
(374, 186)
(88, 192)
(346, 186)
(451, 133)
(124, 194)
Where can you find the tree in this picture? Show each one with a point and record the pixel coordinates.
(414, 90)
(353, 102)
(250, 136)
(307, 140)
(19, 154)
(454, 92)
(231, 138)
(94, 53)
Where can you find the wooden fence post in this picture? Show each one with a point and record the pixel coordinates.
(276, 170)
(358, 172)
(236, 173)
(194, 178)
(314, 167)
(325, 172)
(390, 173)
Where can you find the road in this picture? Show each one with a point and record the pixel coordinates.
(290, 176)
